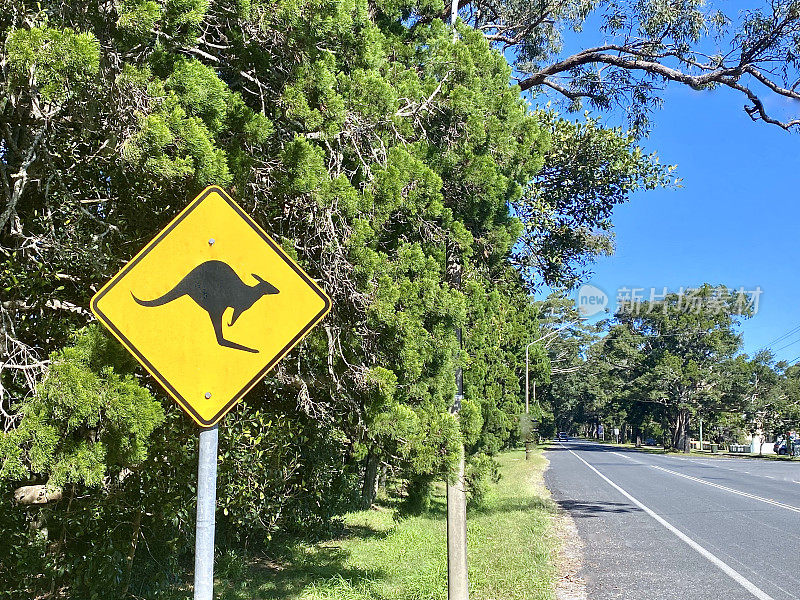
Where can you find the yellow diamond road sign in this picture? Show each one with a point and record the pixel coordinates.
(210, 305)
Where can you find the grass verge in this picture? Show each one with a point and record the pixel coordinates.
(698, 453)
(383, 556)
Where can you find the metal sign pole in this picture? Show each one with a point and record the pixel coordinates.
(206, 506)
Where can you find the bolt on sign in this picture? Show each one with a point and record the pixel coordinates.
(210, 305)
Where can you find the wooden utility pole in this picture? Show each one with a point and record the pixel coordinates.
(457, 583)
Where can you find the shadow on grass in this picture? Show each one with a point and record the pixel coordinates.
(515, 504)
(362, 532)
(308, 567)
(436, 506)
(297, 565)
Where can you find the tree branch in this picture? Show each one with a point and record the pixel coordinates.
(37, 494)
(636, 61)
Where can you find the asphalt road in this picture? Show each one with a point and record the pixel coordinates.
(664, 527)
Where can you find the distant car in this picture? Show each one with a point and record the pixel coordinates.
(781, 449)
(562, 436)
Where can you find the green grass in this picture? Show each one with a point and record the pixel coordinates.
(383, 556)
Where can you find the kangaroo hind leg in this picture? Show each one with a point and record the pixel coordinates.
(216, 321)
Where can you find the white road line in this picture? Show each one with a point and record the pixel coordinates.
(731, 490)
(633, 460)
(717, 562)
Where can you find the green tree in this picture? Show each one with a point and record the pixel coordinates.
(566, 210)
(678, 353)
(782, 408)
(371, 145)
(79, 442)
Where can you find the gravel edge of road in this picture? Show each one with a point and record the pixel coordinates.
(570, 585)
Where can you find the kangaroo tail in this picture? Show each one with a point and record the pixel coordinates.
(171, 295)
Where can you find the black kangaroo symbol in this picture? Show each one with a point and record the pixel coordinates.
(214, 286)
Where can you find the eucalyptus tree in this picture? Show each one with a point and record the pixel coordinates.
(759, 381)
(569, 387)
(782, 407)
(566, 211)
(623, 54)
(679, 353)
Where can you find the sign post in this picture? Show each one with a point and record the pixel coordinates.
(206, 506)
(208, 307)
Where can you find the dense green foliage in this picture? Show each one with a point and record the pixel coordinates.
(385, 156)
(679, 355)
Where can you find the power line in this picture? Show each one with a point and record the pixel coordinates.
(787, 345)
(785, 335)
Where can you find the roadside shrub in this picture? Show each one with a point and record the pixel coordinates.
(481, 473)
(418, 495)
(80, 444)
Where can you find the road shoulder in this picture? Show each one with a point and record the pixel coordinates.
(569, 584)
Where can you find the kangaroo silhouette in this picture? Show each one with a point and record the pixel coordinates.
(215, 286)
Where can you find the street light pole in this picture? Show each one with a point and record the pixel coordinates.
(527, 376)
(527, 360)
(701, 435)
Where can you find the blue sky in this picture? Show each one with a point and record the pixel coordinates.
(735, 221)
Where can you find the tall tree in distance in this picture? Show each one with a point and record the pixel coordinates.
(676, 353)
(785, 411)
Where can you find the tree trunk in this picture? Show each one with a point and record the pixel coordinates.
(369, 488)
(137, 527)
(383, 475)
(37, 494)
(680, 432)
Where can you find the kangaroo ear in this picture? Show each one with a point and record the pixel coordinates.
(257, 278)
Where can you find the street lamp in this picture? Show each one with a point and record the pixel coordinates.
(527, 361)
(527, 377)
